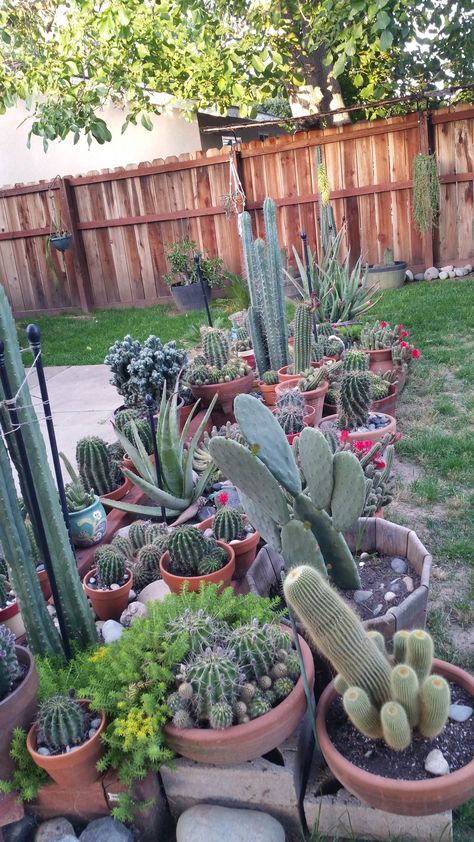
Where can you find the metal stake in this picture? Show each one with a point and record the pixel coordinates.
(150, 405)
(304, 240)
(31, 490)
(197, 260)
(34, 338)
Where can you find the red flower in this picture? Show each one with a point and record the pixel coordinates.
(415, 353)
(363, 445)
(397, 437)
(379, 463)
(403, 344)
(383, 324)
(404, 333)
(223, 498)
(399, 327)
(344, 436)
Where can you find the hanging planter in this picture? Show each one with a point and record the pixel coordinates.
(61, 241)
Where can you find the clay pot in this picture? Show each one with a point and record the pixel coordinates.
(284, 377)
(373, 435)
(73, 769)
(12, 619)
(248, 357)
(380, 360)
(107, 604)
(244, 551)
(44, 584)
(184, 415)
(240, 743)
(18, 709)
(222, 576)
(226, 392)
(403, 797)
(386, 405)
(120, 492)
(314, 399)
(379, 513)
(268, 392)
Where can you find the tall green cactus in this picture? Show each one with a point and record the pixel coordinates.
(77, 614)
(264, 270)
(380, 699)
(95, 465)
(303, 336)
(354, 400)
(330, 502)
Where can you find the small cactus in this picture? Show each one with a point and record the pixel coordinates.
(149, 557)
(221, 716)
(312, 379)
(4, 590)
(254, 649)
(9, 667)
(110, 565)
(61, 723)
(209, 564)
(214, 676)
(228, 524)
(355, 397)
(378, 336)
(175, 702)
(123, 545)
(201, 629)
(380, 387)
(282, 687)
(96, 469)
(137, 533)
(182, 719)
(216, 348)
(258, 707)
(355, 361)
(77, 497)
(187, 547)
(270, 378)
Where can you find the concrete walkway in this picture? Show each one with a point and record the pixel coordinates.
(82, 402)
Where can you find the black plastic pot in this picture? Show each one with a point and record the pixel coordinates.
(61, 243)
(190, 297)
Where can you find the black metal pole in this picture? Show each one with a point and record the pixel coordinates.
(304, 240)
(150, 405)
(197, 261)
(34, 338)
(30, 487)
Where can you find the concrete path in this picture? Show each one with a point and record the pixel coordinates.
(82, 402)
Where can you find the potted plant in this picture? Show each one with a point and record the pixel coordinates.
(9, 609)
(354, 403)
(292, 413)
(108, 584)
(123, 423)
(404, 355)
(214, 373)
(66, 742)
(302, 344)
(98, 470)
(234, 528)
(403, 701)
(253, 700)
(144, 369)
(242, 345)
(192, 559)
(87, 518)
(377, 340)
(390, 274)
(18, 688)
(376, 460)
(140, 550)
(267, 385)
(183, 278)
(313, 386)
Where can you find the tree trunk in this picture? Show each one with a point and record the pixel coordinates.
(321, 91)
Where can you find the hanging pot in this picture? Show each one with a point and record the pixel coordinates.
(61, 242)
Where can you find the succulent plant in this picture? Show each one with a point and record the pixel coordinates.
(380, 387)
(201, 630)
(9, 667)
(208, 565)
(355, 360)
(312, 378)
(146, 568)
(125, 421)
(215, 677)
(290, 418)
(216, 348)
(123, 545)
(380, 699)
(354, 400)
(61, 723)
(96, 469)
(303, 335)
(4, 590)
(221, 716)
(254, 649)
(259, 706)
(187, 546)
(138, 370)
(77, 497)
(270, 378)
(137, 533)
(110, 565)
(228, 524)
(378, 336)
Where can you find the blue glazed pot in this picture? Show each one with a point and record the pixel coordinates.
(61, 243)
(89, 526)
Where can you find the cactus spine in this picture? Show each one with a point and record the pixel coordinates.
(253, 649)
(355, 397)
(216, 348)
(302, 347)
(61, 723)
(95, 465)
(228, 524)
(9, 667)
(355, 361)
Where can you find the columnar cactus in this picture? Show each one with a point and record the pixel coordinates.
(378, 336)
(270, 378)
(110, 565)
(354, 400)
(307, 519)
(61, 723)
(381, 700)
(123, 422)
(312, 379)
(228, 524)
(4, 588)
(302, 346)
(216, 348)
(9, 667)
(95, 465)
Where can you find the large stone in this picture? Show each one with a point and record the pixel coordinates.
(460, 713)
(409, 275)
(19, 831)
(106, 830)
(133, 612)
(399, 565)
(154, 592)
(436, 763)
(420, 276)
(362, 596)
(211, 823)
(54, 829)
(111, 631)
(431, 274)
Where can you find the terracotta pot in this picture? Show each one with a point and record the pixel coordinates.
(44, 583)
(380, 360)
(314, 399)
(268, 392)
(128, 464)
(18, 709)
(406, 798)
(244, 551)
(386, 405)
(248, 357)
(74, 769)
(373, 435)
(184, 415)
(108, 605)
(120, 492)
(222, 576)
(401, 378)
(241, 743)
(379, 513)
(226, 392)
(290, 437)
(284, 377)
(12, 619)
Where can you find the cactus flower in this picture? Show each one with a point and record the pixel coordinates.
(223, 498)
(383, 324)
(404, 333)
(344, 436)
(379, 464)
(403, 344)
(415, 354)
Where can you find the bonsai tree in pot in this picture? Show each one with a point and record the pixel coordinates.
(87, 517)
(384, 698)
(18, 688)
(144, 369)
(183, 278)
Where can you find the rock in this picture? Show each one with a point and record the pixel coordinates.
(389, 596)
(408, 582)
(54, 829)
(431, 274)
(111, 631)
(133, 612)
(106, 830)
(44, 751)
(443, 275)
(409, 275)
(208, 511)
(96, 722)
(362, 596)
(19, 831)
(399, 565)
(451, 273)
(208, 533)
(114, 586)
(436, 763)
(459, 273)
(377, 609)
(99, 624)
(460, 713)
(420, 276)
(67, 838)
(91, 733)
(51, 610)
(447, 268)
(468, 268)
(211, 823)
(132, 595)
(364, 556)
(154, 592)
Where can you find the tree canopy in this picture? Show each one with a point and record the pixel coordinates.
(68, 58)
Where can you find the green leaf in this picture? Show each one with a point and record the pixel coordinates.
(386, 40)
(146, 122)
(339, 65)
(383, 20)
(358, 80)
(258, 64)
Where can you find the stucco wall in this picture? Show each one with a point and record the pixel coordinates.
(171, 135)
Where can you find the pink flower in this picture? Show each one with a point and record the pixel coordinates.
(403, 344)
(223, 498)
(344, 436)
(415, 353)
(399, 327)
(379, 463)
(363, 445)
(404, 333)
(383, 324)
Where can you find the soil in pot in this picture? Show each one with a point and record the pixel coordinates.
(108, 603)
(379, 424)
(382, 586)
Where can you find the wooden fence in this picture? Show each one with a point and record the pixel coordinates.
(123, 220)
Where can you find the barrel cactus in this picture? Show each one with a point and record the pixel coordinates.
(95, 465)
(216, 348)
(270, 378)
(253, 647)
(62, 722)
(110, 565)
(9, 667)
(228, 524)
(137, 533)
(187, 546)
(355, 360)
(123, 545)
(354, 400)
(214, 677)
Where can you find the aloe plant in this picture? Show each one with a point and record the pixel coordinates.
(178, 491)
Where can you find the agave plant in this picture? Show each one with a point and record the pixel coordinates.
(179, 491)
(342, 295)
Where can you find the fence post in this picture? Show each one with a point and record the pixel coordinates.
(75, 261)
(425, 142)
